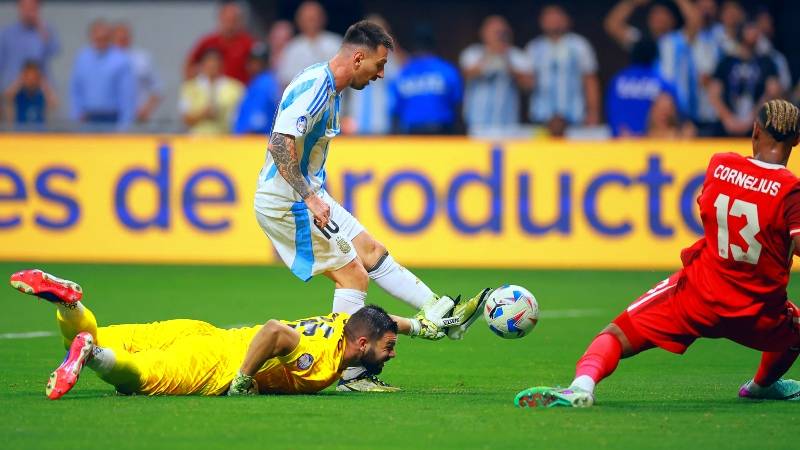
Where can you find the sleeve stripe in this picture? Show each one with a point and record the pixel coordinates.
(317, 98)
(794, 231)
(321, 102)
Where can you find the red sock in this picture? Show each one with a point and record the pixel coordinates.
(601, 358)
(773, 366)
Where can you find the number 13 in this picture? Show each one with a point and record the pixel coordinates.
(748, 232)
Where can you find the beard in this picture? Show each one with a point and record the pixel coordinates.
(371, 362)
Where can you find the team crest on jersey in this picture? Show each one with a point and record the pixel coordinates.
(302, 124)
(344, 246)
(305, 361)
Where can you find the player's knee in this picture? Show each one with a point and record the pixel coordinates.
(353, 276)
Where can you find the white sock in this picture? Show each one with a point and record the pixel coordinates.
(68, 310)
(399, 282)
(584, 382)
(352, 372)
(756, 388)
(102, 360)
(348, 300)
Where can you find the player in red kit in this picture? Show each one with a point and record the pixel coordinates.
(733, 281)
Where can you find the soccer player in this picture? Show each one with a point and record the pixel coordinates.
(312, 233)
(733, 281)
(185, 357)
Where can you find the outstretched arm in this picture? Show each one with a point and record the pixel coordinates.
(616, 22)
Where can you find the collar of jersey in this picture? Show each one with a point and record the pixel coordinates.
(766, 165)
(331, 81)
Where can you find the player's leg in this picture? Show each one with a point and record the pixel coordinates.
(657, 324)
(393, 278)
(401, 283)
(782, 331)
(77, 324)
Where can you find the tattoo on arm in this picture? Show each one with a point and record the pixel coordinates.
(283, 152)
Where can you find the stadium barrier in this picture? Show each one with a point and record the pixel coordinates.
(450, 202)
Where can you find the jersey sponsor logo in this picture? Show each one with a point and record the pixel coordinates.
(302, 124)
(305, 361)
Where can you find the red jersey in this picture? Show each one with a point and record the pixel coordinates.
(235, 50)
(750, 210)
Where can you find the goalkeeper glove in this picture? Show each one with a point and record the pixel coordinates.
(243, 385)
(429, 322)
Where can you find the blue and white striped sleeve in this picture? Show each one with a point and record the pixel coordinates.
(302, 101)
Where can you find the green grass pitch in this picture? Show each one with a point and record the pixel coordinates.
(456, 394)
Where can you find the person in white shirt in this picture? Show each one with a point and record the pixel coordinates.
(149, 87)
(566, 86)
(311, 46)
(495, 72)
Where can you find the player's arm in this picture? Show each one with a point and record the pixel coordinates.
(272, 340)
(284, 153)
(430, 321)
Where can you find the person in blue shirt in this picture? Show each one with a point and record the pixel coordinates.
(29, 38)
(427, 91)
(260, 102)
(632, 91)
(103, 85)
(29, 98)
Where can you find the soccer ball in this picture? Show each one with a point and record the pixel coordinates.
(511, 311)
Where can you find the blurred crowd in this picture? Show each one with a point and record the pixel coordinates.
(698, 68)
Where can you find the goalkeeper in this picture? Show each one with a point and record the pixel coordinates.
(185, 357)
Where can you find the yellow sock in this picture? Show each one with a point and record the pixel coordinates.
(74, 318)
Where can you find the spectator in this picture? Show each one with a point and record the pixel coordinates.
(280, 33)
(103, 85)
(632, 91)
(149, 89)
(765, 48)
(427, 90)
(208, 101)
(706, 53)
(731, 18)
(565, 72)
(742, 82)
(369, 111)
(495, 72)
(663, 121)
(28, 39)
(29, 98)
(660, 21)
(311, 46)
(263, 94)
(230, 39)
(677, 47)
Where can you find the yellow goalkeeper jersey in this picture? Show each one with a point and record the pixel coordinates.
(184, 357)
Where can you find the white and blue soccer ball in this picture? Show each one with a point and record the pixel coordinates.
(511, 311)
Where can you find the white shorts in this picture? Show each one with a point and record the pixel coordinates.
(305, 248)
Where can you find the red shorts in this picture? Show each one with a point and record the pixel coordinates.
(671, 316)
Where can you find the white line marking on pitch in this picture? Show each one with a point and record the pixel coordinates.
(550, 314)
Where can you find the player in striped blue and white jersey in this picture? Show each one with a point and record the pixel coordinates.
(312, 233)
(565, 72)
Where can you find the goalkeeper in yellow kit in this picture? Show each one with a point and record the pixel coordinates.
(185, 357)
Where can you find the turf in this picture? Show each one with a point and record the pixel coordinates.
(456, 394)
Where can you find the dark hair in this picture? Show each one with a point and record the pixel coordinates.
(370, 321)
(368, 34)
(260, 51)
(31, 64)
(209, 52)
(780, 119)
(424, 38)
(644, 52)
